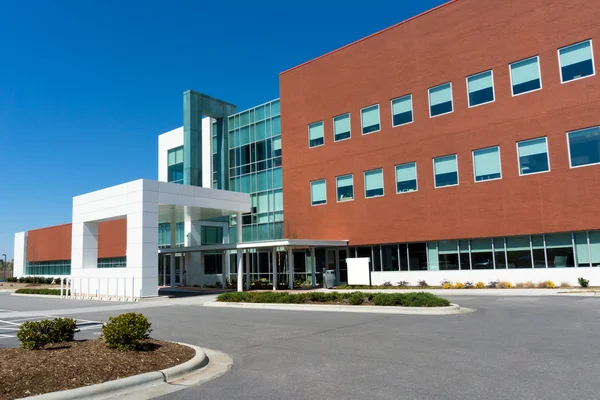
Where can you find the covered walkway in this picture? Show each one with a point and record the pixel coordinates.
(268, 261)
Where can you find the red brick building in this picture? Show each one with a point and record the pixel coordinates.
(472, 45)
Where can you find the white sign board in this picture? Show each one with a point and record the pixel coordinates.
(358, 271)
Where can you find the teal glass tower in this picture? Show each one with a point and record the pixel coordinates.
(254, 159)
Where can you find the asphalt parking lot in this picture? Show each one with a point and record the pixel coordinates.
(510, 348)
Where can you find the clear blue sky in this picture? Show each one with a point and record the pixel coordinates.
(86, 86)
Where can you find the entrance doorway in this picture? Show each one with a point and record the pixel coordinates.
(336, 260)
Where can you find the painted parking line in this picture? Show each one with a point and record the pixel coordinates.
(9, 327)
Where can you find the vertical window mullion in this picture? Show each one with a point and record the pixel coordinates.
(493, 253)
(587, 234)
(505, 253)
(531, 251)
(545, 251)
(470, 258)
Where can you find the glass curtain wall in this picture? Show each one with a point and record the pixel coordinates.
(255, 168)
(555, 250)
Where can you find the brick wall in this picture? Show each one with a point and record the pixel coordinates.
(459, 39)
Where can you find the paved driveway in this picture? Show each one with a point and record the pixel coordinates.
(511, 348)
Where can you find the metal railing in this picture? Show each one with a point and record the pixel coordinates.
(111, 289)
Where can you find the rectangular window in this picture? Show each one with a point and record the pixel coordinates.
(318, 192)
(482, 256)
(576, 61)
(341, 127)
(315, 134)
(440, 100)
(525, 76)
(584, 147)
(445, 170)
(374, 183)
(175, 156)
(486, 164)
(559, 250)
(533, 156)
(402, 110)
(406, 177)
(518, 252)
(480, 88)
(345, 188)
(369, 118)
(211, 234)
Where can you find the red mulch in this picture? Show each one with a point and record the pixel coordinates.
(81, 363)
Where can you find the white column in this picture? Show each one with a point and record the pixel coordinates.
(313, 264)
(172, 269)
(247, 262)
(164, 260)
(240, 253)
(290, 258)
(224, 268)
(240, 270)
(172, 242)
(274, 267)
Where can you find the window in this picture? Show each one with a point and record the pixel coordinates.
(559, 250)
(211, 234)
(480, 88)
(402, 110)
(374, 183)
(369, 118)
(345, 188)
(440, 100)
(175, 165)
(584, 147)
(533, 156)
(482, 256)
(518, 252)
(525, 76)
(445, 170)
(406, 177)
(576, 61)
(341, 127)
(213, 264)
(486, 164)
(318, 192)
(315, 134)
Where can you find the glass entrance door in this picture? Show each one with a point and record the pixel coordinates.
(336, 260)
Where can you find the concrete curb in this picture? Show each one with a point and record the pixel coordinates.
(129, 384)
(514, 292)
(45, 296)
(450, 310)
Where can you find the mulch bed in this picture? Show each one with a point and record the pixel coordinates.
(80, 363)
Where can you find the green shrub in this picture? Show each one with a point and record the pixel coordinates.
(420, 299)
(126, 331)
(356, 298)
(48, 281)
(12, 279)
(22, 279)
(50, 292)
(34, 335)
(583, 282)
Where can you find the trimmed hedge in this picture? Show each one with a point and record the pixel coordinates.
(34, 335)
(420, 299)
(126, 332)
(49, 292)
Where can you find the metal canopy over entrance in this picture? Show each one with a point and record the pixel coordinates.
(280, 260)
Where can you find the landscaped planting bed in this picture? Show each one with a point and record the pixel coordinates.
(49, 360)
(70, 365)
(48, 292)
(420, 299)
